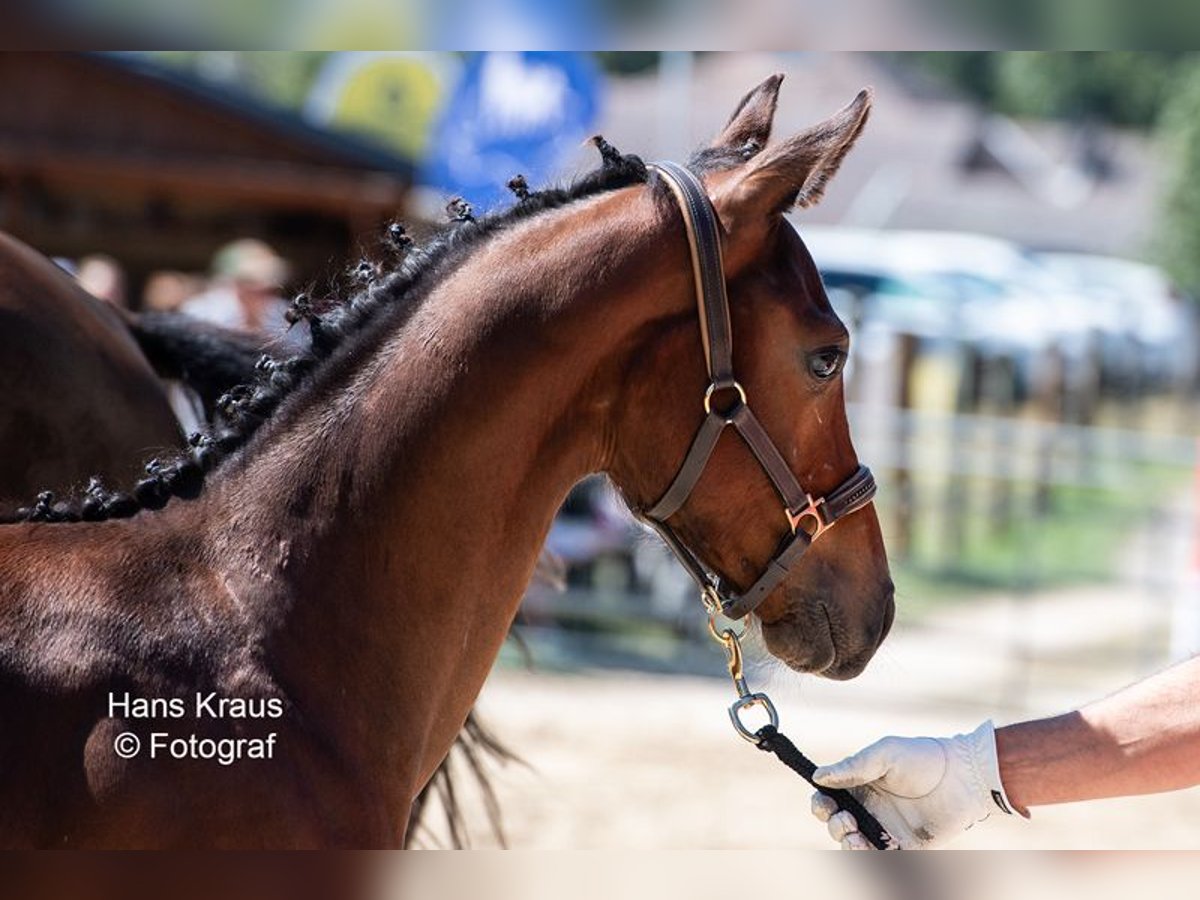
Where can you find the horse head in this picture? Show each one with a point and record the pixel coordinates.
(827, 610)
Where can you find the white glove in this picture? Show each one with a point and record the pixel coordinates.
(924, 791)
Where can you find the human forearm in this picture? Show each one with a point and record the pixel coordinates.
(925, 790)
(1142, 740)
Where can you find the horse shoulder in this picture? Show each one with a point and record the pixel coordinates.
(82, 606)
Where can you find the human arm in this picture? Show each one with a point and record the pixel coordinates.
(1144, 739)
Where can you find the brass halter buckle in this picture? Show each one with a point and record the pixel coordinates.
(812, 511)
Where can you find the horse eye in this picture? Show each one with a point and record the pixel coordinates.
(824, 364)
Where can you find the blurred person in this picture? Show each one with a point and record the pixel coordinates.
(103, 277)
(245, 293)
(169, 291)
(926, 791)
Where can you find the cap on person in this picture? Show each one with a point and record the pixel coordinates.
(252, 263)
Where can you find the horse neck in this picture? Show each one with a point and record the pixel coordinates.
(394, 530)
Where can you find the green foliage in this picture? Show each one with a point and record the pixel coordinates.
(1073, 542)
(1179, 233)
(628, 62)
(1078, 24)
(1118, 87)
(968, 73)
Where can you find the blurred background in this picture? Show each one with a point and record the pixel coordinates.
(558, 24)
(1014, 244)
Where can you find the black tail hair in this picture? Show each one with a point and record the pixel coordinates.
(207, 358)
(474, 745)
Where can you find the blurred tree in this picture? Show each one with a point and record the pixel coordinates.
(1119, 87)
(628, 62)
(1142, 89)
(1078, 24)
(1178, 244)
(1019, 22)
(971, 73)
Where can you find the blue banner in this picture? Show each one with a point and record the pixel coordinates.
(512, 112)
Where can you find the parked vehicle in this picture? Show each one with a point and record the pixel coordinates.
(1119, 318)
(1150, 312)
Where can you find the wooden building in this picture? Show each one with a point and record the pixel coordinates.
(117, 155)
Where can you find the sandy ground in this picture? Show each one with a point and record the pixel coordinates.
(625, 760)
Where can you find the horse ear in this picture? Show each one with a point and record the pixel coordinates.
(751, 121)
(795, 172)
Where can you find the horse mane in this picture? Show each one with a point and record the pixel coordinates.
(383, 295)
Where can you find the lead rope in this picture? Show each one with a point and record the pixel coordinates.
(769, 738)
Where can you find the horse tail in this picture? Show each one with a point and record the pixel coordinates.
(207, 358)
(476, 748)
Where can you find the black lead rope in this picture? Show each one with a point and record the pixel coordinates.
(770, 739)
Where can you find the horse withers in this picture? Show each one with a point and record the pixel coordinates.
(348, 546)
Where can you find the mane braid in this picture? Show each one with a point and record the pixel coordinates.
(383, 296)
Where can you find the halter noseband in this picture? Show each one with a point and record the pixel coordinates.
(808, 518)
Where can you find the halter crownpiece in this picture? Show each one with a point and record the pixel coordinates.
(725, 404)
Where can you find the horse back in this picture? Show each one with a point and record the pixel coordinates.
(77, 396)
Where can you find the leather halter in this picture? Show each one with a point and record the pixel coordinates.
(808, 518)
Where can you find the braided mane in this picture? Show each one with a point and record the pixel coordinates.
(382, 295)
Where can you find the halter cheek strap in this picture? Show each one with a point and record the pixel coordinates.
(808, 518)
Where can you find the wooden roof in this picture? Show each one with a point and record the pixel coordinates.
(91, 118)
(115, 154)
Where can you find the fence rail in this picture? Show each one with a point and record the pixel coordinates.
(1013, 507)
(984, 446)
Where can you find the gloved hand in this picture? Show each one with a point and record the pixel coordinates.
(924, 791)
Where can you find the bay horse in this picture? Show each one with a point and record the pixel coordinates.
(81, 392)
(77, 396)
(278, 645)
(81, 397)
